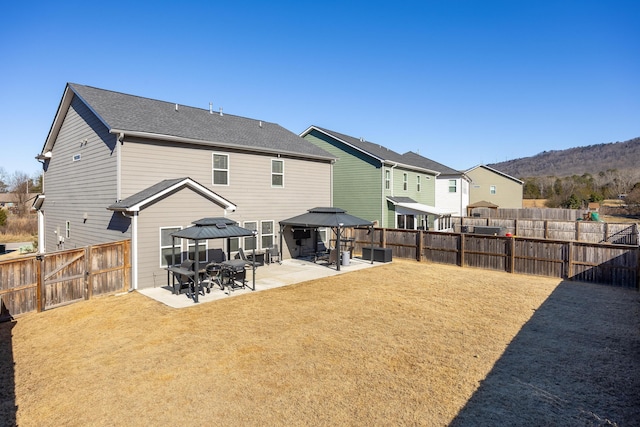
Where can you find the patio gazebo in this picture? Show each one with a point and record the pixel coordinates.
(334, 218)
(212, 228)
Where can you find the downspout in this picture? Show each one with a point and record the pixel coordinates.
(41, 235)
(134, 249)
(119, 166)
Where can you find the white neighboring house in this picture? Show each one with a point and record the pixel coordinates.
(452, 186)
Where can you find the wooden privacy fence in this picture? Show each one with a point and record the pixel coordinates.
(588, 262)
(582, 231)
(41, 282)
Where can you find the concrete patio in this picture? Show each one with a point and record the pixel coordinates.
(267, 277)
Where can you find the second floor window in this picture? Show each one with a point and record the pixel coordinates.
(405, 181)
(277, 173)
(492, 189)
(418, 183)
(452, 186)
(220, 169)
(387, 179)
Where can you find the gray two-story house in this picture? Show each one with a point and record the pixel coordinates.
(119, 166)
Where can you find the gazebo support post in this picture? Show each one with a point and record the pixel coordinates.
(371, 231)
(338, 249)
(196, 273)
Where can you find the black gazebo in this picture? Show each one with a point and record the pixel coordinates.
(334, 218)
(213, 228)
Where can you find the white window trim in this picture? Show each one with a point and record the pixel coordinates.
(493, 189)
(272, 234)
(244, 224)
(277, 173)
(387, 181)
(455, 186)
(213, 169)
(67, 229)
(179, 247)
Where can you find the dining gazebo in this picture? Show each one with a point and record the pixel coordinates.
(212, 228)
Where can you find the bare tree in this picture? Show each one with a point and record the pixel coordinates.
(4, 187)
(19, 185)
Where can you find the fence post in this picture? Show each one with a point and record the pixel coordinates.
(461, 249)
(512, 248)
(419, 245)
(88, 288)
(40, 284)
(383, 238)
(546, 229)
(570, 261)
(578, 230)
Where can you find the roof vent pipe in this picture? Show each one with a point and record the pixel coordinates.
(211, 108)
(176, 107)
(260, 124)
(221, 111)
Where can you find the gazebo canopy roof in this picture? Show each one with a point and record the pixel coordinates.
(326, 217)
(213, 228)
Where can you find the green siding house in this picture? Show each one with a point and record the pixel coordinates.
(373, 182)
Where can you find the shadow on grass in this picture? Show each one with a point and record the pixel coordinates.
(575, 362)
(7, 376)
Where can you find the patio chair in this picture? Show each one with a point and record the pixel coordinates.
(273, 254)
(214, 275)
(184, 281)
(242, 255)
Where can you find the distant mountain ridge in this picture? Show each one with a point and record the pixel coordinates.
(590, 159)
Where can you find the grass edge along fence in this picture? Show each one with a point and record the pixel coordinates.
(603, 263)
(43, 281)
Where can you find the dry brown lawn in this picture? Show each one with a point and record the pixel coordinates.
(404, 343)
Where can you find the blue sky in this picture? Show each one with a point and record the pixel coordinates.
(461, 82)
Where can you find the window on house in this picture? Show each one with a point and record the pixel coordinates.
(277, 173)
(418, 183)
(166, 247)
(266, 234)
(405, 181)
(453, 186)
(67, 229)
(220, 169)
(387, 179)
(234, 244)
(248, 243)
(202, 250)
(492, 189)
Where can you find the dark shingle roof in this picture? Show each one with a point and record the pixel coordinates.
(122, 112)
(375, 150)
(418, 160)
(410, 158)
(148, 195)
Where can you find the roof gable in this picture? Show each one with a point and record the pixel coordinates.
(141, 199)
(494, 171)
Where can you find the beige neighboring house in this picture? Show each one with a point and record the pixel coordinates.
(8, 200)
(490, 185)
(119, 166)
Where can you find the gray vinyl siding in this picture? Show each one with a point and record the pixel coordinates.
(307, 183)
(178, 210)
(85, 186)
(357, 185)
